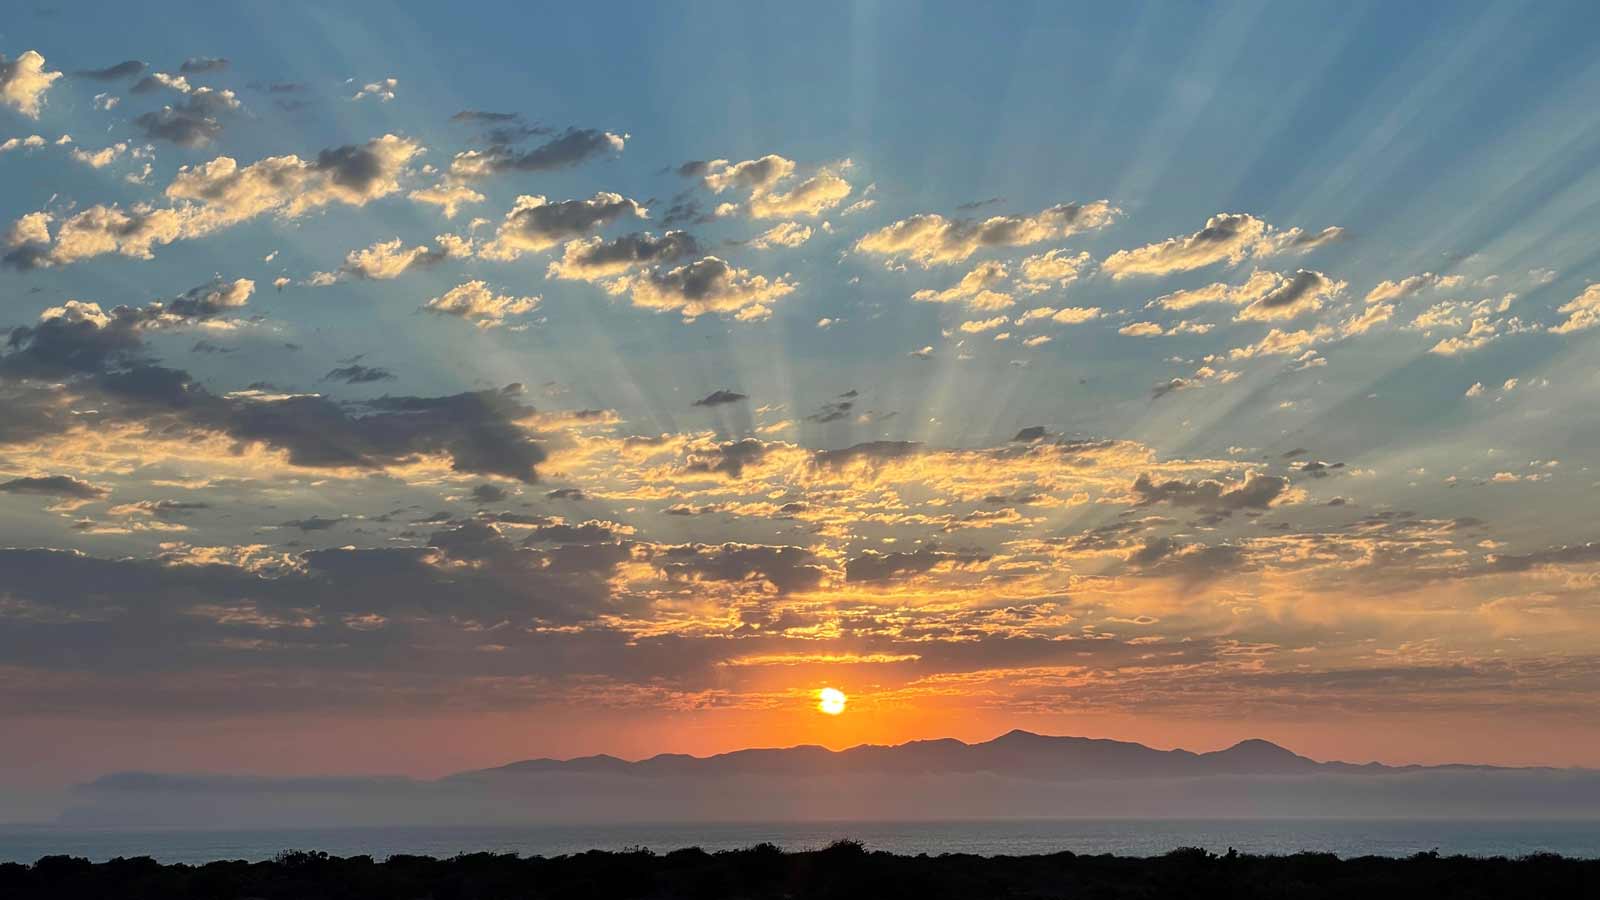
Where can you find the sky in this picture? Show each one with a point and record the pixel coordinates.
(385, 390)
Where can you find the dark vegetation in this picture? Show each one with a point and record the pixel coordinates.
(844, 870)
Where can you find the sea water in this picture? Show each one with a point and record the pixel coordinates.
(1128, 837)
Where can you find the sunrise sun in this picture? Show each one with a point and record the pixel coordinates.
(831, 701)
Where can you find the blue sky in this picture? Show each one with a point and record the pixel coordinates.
(1301, 308)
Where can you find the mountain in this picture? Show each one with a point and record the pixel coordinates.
(1016, 775)
(1016, 754)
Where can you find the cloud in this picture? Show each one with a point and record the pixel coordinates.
(99, 159)
(448, 197)
(536, 224)
(720, 398)
(729, 458)
(194, 122)
(63, 486)
(874, 567)
(1226, 237)
(1398, 290)
(921, 353)
(196, 65)
(752, 175)
(1257, 491)
(1163, 557)
(212, 197)
(387, 260)
(1583, 312)
(125, 69)
(1056, 268)
(570, 148)
(356, 373)
(975, 289)
(707, 285)
(594, 258)
(383, 90)
(31, 142)
(787, 569)
(932, 239)
(24, 81)
(1304, 292)
(1565, 555)
(99, 360)
(80, 337)
(475, 301)
(1367, 319)
(761, 179)
(483, 116)
(811, 197)
(1278, 342)
(979, 326)
(785, 234)
(1479, 334)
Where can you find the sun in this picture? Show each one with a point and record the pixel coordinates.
(831, 701)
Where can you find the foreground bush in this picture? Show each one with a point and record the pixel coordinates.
(844, 870)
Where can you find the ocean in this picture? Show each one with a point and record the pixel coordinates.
(1128, 837)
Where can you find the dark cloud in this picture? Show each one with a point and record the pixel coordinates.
(689, 509)
(194, 122)
(686, 210)
(204, 346)
(312, 523)
(125, 69)
(1164, 557)
(1566, 555)
(1168, 387)
(546, 223)
(571, 147)
(359, 374)
(1257, 491)
(488, 493)
(720, 398)
(1317, 468)
(567, 494)
(478, 116)
(478, 431)
(166, 510)
(832, 411)
(788, 569)
(78, 337)
(55, 486)
(354, 166)
(1030, 434)
(590, 532)
(726, 459)
(80, 340)
(639, 248)
(872, 566)
(127, 615)
(195, 65)
(870, 451)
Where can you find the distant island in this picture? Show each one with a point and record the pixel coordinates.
(1016, 775)
(1016, 753)
(843, 870)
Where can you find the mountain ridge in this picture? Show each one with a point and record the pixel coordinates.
(1017, 753)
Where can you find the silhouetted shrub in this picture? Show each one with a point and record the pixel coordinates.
(845, 869)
